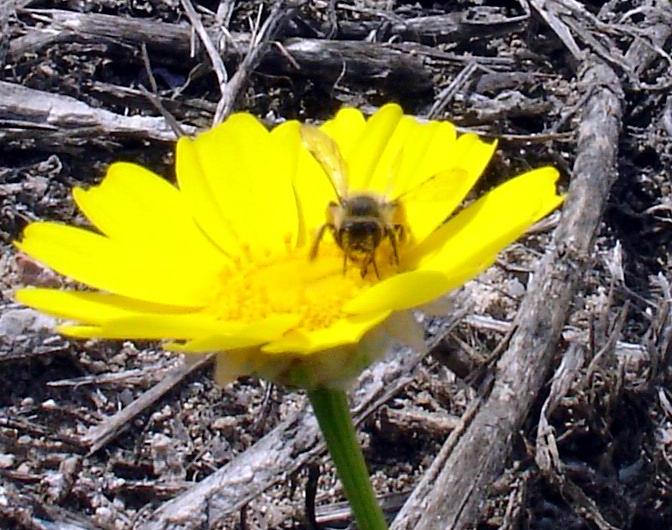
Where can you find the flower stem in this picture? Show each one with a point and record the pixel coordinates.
(333, 415)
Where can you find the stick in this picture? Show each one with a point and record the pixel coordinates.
(64, 119)
(372, 64)
(450, 499)
(212, 51)
(252, 59)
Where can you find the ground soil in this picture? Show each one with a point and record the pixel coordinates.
(498, 67)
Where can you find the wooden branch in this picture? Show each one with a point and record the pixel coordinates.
(47, 119)
(385, 66)
(479, 22)
(451, 492)
(404, 423)
(288, 446)
(6, 10)
(348, 61)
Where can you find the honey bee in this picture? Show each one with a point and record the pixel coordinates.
(358, 221)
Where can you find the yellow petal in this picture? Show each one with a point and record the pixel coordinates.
(128, 271)
(489, 224)
(200, 195)
(402, 291)
(345, 129)
(439, 155)
(430, 202)
(203, 333)
(87, 307)
(136, 207)
(149, 326)
(237, 335)
(403, 148)
(281, 198)
(347, 330)
(364, 157)
(428, 205)
(474, 155)
(250, 173)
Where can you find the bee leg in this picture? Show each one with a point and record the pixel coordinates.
(392, 236)
(342, 240)
(370, 260)
(375, 265)
(400, 231)
(316, 244)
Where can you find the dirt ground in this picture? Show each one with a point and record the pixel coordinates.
(124, 436)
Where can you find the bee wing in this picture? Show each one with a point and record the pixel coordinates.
(327, 153)
(429, 203)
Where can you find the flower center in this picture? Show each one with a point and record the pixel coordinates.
(291, 283)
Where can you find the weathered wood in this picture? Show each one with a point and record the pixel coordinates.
(382, 65)
(349, 61)
(6, 10)
(648, 46)
(46, 119)
(478, 22)
(450, 493)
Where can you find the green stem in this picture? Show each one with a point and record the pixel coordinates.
(333, 415)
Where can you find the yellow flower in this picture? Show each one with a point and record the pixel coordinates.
(220, 261)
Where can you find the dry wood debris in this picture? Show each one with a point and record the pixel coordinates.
(547, 406)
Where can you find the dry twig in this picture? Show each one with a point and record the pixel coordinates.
(466, 472)
(213, 52)
(255, 52)
(63, 120)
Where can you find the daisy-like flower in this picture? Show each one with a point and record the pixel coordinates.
(220, 260)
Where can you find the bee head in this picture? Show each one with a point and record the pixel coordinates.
(360, 235)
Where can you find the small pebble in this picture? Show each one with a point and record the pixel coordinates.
(225, 424)
(49, 404)
(7, 461)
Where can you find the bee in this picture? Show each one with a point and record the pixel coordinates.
(358, 221)
(361, 222)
